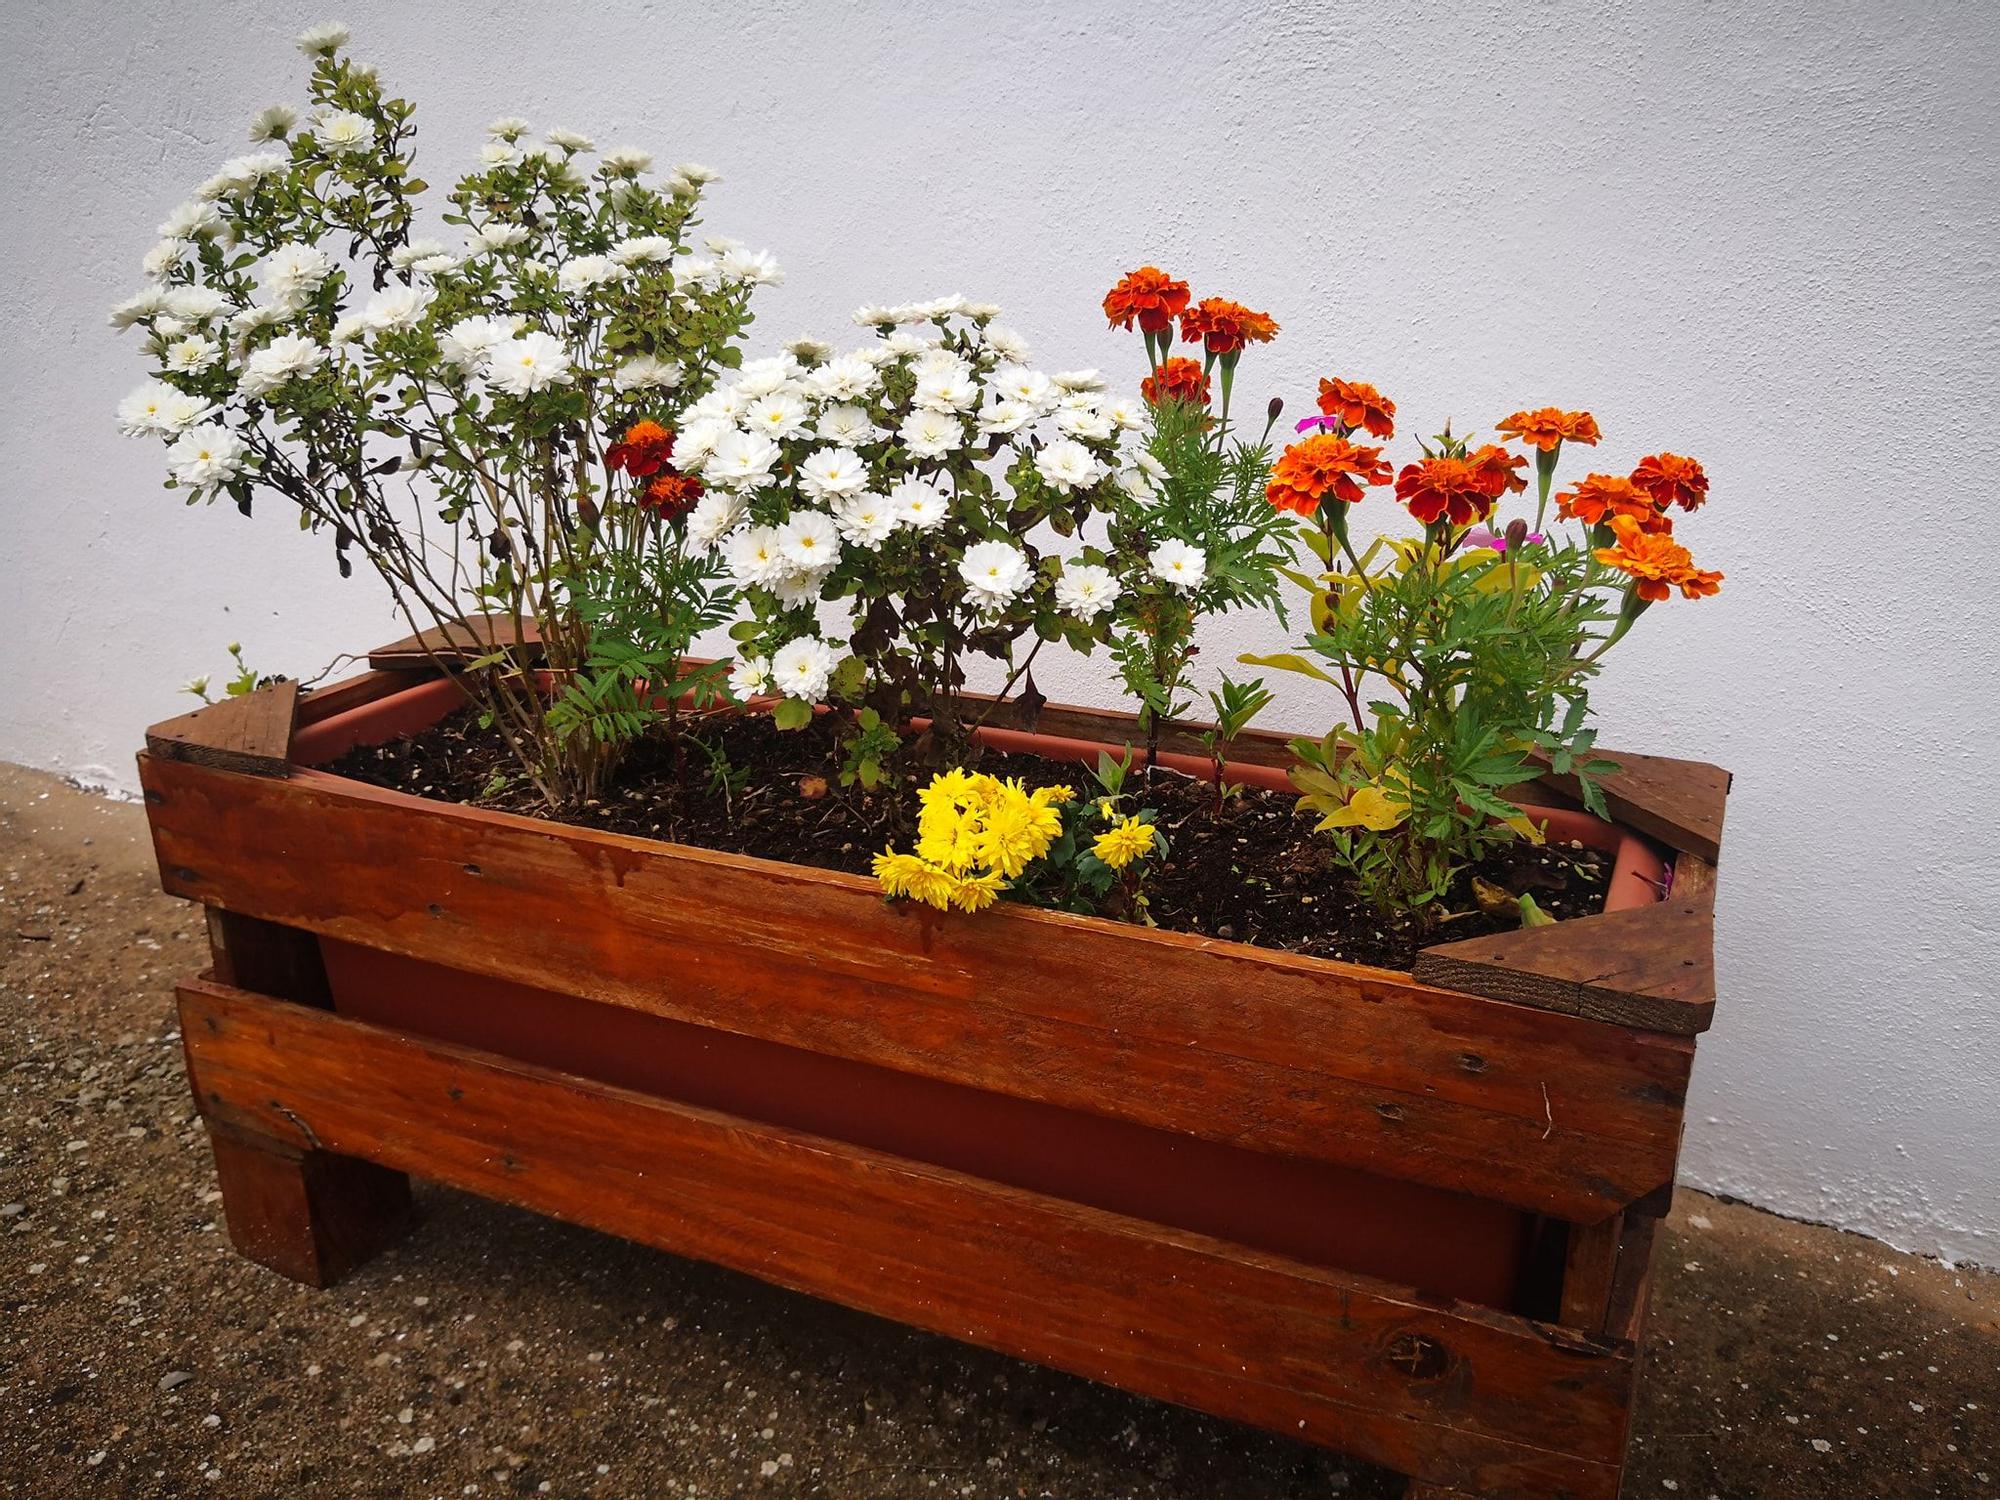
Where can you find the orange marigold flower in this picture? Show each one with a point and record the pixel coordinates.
(1224, 327)
(1322, 465)
(1672, 480)
(671, 495)
(1656, 562)
(1497, 469)
(1357, 404)
(1148, 296)
(1550, 425)
(645, 450)
(1458, 490)
(1177, 379)
(1599, 498)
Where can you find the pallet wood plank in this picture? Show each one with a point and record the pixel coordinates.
(1679, 802)
(1260, 1049)
(309, 1215)
(458, 642)
(251, 734)
(1456, 1394)
(1652, 967)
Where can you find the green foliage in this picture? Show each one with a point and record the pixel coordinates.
(243, 681)
(1071, 877)
(1234, 704)
(868, 747)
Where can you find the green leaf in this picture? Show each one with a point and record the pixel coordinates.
(792, 713)
(1287, 661)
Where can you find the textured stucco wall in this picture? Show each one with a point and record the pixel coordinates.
(1762, 234)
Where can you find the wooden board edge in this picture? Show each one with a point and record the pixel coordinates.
(251, 734)
(1679, 802)
(457, 642)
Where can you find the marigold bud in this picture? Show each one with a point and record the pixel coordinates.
(1517, 533)
(1277, 408)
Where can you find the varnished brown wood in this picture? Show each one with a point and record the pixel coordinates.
(1694, 881)
(253, 954)
(1652, 967)
(1679, 802)
(307, 1214)
(251, 734)
(1268, 1050)
(461, 641)
(1588, 1267)
(1632, 1279)
(1461, 1396)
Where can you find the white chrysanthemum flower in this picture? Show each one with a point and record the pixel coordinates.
(321, 40)
(1068, 465)
(342, 131)
(508, 128)
(920, 504)
(697, 271)
(192, 220)
(750, 677)
(1086, 590)
(529, 362)
(753, 557)
(995, 574)
(646, 372)
(147, 304)
(586, 272)
(626, 161)
(778, 416)
(1132, 480)
(191, 355)
(165, 330)
(164, 259)
(714, 515)
(866, 519)
(1178, 563)
(931, 434)
(349, 328)
(947, 390)
(570, 140)
(832, 472)
(1079, 380)
(195, 304)
(695, 443)
(1019, 383)
(203, 457)
(723, 404)
(798, 587)
(498, 154)
(405, 256)
(760, 377)
(875, 355)
(752, 268)
(982, 312)
(239, 176)
(1150, 466)
(1085, 422)
(293, 272)
(847, 425)
(803, 668)
(396, 309)
(872, 316)
(272, 123)
(180, 411)
(1007, 344)
(904, 343)
(469, 342)
(809, 540)
(1006, 417)
(741, 459)
(256, 316)
(643, 250)
(286, 358)
(689, 178)
(809, 351)
(143, 412)
(498, 237)
(1124, 413)
(847, 378)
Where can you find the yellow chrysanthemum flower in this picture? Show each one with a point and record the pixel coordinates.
(1119, 845)
(977, 892)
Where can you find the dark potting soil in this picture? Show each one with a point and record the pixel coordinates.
(1252, 871)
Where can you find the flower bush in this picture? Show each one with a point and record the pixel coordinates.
(479, 420)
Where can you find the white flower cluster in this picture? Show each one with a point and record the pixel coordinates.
(815, 462)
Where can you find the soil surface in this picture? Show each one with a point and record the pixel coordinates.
(494, 1353)
(1246, 867)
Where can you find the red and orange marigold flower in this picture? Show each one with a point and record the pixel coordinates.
(1356, 404)
(1224, 327)
(1324, 464)
(1670, 479)
(1177, 379)
(1656, 563)
(1457, 490)
(1497, 468)
(1147, 296)
(671, 495)
(643, 452)
(1601, 498)
(1549, 426)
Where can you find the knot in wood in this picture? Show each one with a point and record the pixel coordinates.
(1418, 1355)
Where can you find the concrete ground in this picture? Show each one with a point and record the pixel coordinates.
(495, 1353)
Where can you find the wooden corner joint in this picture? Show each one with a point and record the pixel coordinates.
(1678, 802)
(460, 641)
(251, 734)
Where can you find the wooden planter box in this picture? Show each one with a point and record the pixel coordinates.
(1410, 1218)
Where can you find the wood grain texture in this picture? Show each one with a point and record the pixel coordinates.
(462, 641)
(253, 954)
(1460, 1396)
(1679, 802)
(1271, 1051)
(1589, 1265)
(309, 1215)
(1652, 967)
(251, 734)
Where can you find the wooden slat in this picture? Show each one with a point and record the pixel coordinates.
(362, 688)
(1589, 1265)
(463, 640)
(1652, 967)
(1678, 802)
(1266, 1050)
(1632, 1281)
(1458, 1395)
(251, 734)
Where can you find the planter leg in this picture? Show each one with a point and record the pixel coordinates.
(309, 1215)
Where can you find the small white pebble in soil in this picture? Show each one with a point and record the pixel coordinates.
(1821, 1445)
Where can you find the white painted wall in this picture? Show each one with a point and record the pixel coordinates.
(1762, 234)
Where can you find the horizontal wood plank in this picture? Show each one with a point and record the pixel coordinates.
(459, 642)
(1251, 1047)
(251, 734)
(1679, 802)
(1457, 1395)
